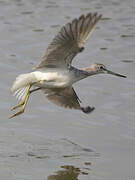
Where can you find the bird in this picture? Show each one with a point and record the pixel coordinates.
(55, 75)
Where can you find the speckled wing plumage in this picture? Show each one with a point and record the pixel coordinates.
(65, 97)
(69, 41)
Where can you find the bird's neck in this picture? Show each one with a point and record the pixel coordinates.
(82, 73)
(89, 71)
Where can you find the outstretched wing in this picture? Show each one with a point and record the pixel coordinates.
(63, 97)
(69, 41)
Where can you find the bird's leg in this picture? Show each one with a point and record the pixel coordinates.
(33, 90)
(18, 105)
(23, 103)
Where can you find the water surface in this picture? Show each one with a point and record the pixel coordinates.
(48, 142)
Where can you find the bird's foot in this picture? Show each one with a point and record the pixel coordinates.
(18, 113)
(18, 105)
(23, 103)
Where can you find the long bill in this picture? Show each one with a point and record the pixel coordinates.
(113, 73)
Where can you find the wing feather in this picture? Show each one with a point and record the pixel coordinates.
(63, 97)
(68, 42)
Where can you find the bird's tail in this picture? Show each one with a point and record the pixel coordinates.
(20, 85)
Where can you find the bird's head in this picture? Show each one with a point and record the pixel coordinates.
(100, 68)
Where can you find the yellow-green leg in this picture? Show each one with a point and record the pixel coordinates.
(18, 105)
(23, 103)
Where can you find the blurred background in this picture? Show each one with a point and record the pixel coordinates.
(48, 142)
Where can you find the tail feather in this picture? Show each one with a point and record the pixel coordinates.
(20, 85)
(21, 93)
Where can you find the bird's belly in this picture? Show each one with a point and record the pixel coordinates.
(51, 79)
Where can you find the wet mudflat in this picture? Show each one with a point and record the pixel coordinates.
(48, 142)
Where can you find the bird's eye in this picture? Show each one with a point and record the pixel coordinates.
(101, 67)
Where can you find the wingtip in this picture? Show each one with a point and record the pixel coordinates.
(96, 14)
(87, 109)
